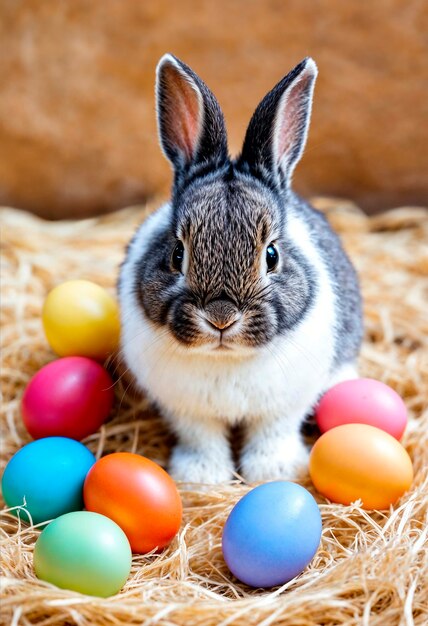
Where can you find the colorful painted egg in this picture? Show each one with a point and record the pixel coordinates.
(357, 461)
(80, 318)
(272, 534)
(138, 495)
(47, 477)
(84, 552)
(70, 397)
(362, 401)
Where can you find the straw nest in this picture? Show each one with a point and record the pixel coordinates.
(371, 567)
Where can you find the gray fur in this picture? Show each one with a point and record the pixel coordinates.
(349, 329)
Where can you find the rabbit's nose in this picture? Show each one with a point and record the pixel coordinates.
(221, 325)
(221, 314)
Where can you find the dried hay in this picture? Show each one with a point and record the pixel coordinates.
(371, 567)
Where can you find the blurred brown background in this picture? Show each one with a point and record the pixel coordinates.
(77, 121)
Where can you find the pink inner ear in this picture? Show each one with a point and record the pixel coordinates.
(184, 118)
(291, 116)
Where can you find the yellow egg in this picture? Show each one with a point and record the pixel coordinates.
(357, 461)
(81, 319)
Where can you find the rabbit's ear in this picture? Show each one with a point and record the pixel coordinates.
(276, 135)
(190, 121)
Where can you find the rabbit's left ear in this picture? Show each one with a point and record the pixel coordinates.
(276, 135)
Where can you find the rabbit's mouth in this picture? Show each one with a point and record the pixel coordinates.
(226, 342)
(223, 348)
(230, 346)
(221, 331)
(213, 347)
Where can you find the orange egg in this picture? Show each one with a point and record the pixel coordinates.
(138, 495)
(357, 461)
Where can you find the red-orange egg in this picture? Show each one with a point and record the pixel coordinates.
(138, 495)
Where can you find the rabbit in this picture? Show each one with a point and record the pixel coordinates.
(238, 303)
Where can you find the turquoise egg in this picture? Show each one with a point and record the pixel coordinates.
(47, 477)
(85, 552)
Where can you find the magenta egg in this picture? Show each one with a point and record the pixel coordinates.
(69, 397)
(362, 401)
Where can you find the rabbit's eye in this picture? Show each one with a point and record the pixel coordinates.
(272, 257)
(177, 256)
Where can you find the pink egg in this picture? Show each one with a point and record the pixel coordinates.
(362, 401)
(70, 397)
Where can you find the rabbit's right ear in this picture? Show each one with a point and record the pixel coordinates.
(190, 121)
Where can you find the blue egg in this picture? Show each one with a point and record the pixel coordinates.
(271, 534)
(48, 475)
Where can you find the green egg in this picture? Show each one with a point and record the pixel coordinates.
(85, 552)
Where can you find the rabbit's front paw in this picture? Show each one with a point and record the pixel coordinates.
(285, 459)
(196, 466)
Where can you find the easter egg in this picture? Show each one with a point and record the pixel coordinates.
(138, 495)
(362, 401)
(47, 475)
(70, 397)
(80, 318)
(271, 534)
(356, 461)
(84, 552)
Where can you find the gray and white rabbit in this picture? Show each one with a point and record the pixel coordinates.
(238, 303)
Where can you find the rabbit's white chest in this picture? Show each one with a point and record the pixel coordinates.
(284, 378)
